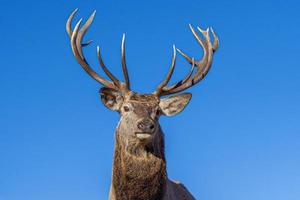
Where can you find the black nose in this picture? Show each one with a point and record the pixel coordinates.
(146, 125)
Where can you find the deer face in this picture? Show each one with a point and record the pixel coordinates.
(139, 113)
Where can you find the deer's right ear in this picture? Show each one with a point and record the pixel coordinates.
(112, 99)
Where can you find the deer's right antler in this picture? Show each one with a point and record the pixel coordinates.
(202, 65)
(76, 37)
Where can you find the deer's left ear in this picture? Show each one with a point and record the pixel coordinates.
(174, 104)
(112, 99)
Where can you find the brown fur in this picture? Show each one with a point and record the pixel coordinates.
(151, 98)
(139, 174)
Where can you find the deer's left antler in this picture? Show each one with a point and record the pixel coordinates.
(202, 65)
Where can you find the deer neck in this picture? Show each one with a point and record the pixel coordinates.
(139, 174)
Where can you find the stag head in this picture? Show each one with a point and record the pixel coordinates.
(139, 113)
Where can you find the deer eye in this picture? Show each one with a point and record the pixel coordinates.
(157, 112)
(126, 108)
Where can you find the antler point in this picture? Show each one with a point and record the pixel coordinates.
(77, 25)
(191, 27)
(178, 50)
(200, 29)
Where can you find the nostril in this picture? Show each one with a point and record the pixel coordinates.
(146, 125)
(151, 126)
(140, 125)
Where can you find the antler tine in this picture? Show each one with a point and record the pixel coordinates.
(202, 65)
(169, 75)
(200, 41)
(107, 72)
(69, 21)
(191, 71)
(185, 79)
(204, 45)
(124, 67)
(69, 29)
(189, 59)
(76, 39)
(82, 31)
(216, 39)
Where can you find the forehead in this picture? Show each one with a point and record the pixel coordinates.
(143, 98)
(143, 102)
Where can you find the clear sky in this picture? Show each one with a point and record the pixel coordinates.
(238, 139)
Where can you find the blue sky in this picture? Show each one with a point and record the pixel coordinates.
(238, 139)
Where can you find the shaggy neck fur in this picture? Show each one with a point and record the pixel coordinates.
(139, 172)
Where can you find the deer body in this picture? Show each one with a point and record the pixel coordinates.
(139, 164)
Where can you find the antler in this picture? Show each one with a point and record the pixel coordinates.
(76, 37)
(202, 65)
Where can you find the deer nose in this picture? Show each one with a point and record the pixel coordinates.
(146, 125)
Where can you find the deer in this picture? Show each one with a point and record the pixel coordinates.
(139, 163)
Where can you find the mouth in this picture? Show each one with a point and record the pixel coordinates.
(143, 135)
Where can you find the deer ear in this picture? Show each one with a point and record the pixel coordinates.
(111, 98)
(174, 104)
